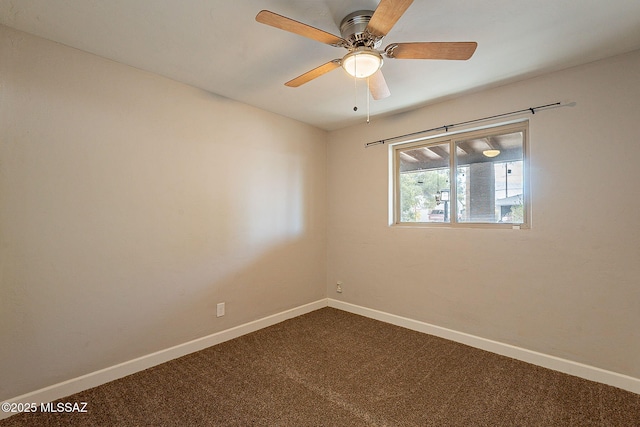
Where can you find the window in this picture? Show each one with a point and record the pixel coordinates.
(487, 166)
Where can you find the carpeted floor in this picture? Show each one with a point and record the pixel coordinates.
(332, 368)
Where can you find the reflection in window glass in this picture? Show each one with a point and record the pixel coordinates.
(490, 178)
(424, 184)
(484, 182)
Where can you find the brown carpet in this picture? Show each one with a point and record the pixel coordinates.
(332, 368)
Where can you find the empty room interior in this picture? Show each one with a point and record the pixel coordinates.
(178, 177)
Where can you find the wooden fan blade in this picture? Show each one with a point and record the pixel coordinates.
(432, 50)
(315, 73)
(288, 24)
(386, 15)
(378, 86)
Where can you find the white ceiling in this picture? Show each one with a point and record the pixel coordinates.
(218, 46)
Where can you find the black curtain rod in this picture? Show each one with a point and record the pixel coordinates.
(446, 128)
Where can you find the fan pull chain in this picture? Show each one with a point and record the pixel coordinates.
(355, 87)
(355, 93)
(368, 96)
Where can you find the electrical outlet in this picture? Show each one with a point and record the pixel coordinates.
(339, 287)
(220, 310)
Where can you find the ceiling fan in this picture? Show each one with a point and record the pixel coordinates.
(362, 33)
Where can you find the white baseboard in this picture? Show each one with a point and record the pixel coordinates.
(591, 373)
(94, 379)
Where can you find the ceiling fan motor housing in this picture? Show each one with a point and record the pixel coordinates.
(353, 30)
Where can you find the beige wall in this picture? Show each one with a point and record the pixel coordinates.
(131, 204)
(569, 286)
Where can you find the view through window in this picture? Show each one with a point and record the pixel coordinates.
(487, 168)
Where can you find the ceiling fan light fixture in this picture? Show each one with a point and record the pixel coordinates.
(362, 62)
(491, 153)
